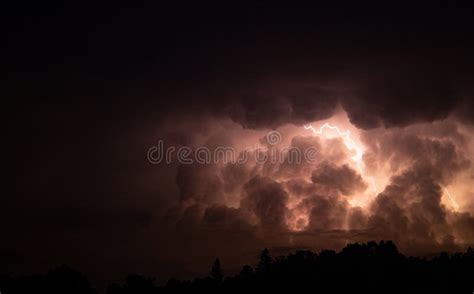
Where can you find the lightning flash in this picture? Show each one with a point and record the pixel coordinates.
(359, 152)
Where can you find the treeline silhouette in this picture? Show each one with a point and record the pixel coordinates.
(370, 266)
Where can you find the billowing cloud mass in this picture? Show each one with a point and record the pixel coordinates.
(400, 189)
(409, 185)
(342, 178)
(90, 105)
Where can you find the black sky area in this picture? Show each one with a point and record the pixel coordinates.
(87, 88)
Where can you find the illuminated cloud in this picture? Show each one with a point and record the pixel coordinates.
(389, 113)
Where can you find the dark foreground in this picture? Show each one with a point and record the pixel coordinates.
(372, 266)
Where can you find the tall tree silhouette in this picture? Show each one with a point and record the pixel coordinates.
(265, 262)
(216, 271)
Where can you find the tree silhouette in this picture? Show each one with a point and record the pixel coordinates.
(265, 262)
(134, 284)
(216, 271)
(369, 267)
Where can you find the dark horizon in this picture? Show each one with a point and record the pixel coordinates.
(367, 266)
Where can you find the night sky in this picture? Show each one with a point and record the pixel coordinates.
(89, 89)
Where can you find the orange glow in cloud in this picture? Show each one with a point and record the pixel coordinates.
(328, 130)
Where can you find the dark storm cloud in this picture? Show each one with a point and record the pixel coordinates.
(300, 187)
(326, 212)
(267, 200)
(200, 183)
(229, 220)
(93, 87)
(440, 157)
(409, 210)
(398, 95)
(463, 225)
(342, 178)
(293, 160)
(270, 104)
(357, 219)
(222, 215)
(465, 107)
(385, 95)
(235, 175)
